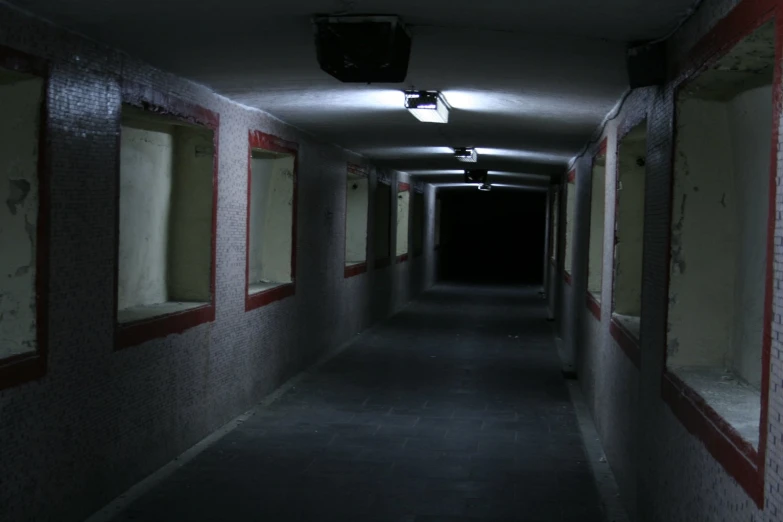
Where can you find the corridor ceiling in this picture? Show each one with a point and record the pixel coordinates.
(529, 80)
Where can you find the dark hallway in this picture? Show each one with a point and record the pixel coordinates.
(374, 261)
(494, 238)
(452, 410)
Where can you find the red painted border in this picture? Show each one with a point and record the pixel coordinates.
(277, 293)
(261, 140)
(403, 187)
(355, 270)
(156, 102)
(745, 464)
(26, 367)
(736, 455)
(361, 268)
(593, 305)
(626, 341)
(571, 176)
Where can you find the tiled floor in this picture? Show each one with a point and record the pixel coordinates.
(453, 410)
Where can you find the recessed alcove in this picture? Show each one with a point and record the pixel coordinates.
(21, 103)
(719, 237)
(629, 229)
(165, 216)
(356, 205)
(595, 264)
(270, 223)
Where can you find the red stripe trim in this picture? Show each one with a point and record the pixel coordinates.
(593, 305)
(277, 293)
(355, 270)
(626, 341)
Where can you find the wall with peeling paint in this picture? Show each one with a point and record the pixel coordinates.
(20, 100)
(668, 459)
(704, 246)
(357, 200)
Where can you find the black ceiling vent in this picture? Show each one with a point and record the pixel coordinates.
(363, 48)
(646, 64)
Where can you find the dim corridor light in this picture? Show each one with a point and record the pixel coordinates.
(427, 106)
(485, 187)
(466, 154)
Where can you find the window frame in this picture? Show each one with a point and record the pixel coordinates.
(19, 369)
(738, 457)
(154, 101)
(260, 140)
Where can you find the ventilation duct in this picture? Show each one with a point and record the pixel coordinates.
(363, 48)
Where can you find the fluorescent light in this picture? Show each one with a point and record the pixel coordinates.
(466, 154)
(485, 187)
(427, 106)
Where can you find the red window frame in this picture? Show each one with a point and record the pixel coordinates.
(738, 457)
(157, 102)
(361, 268)
(19, 369)
(262, 140)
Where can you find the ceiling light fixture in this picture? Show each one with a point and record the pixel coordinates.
(476, 176)
(466, 154)
(427, 106)
(485, 187)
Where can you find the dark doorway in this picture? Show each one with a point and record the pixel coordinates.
(492, 237)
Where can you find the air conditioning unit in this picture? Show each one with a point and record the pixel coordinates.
(363, 48)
